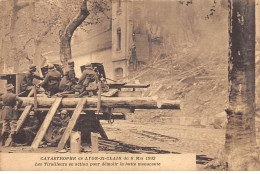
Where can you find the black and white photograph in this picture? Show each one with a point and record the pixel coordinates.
(130, 85)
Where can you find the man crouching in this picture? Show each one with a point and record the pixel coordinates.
(9, 114)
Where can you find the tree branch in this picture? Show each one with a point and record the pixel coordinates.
(82, 15)
(65, 37)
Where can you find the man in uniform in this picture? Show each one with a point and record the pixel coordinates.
(27, 82)
(9, 113)
(51, 81)
(66, 85)
(30, 127)
(71, 72)
(88, 81)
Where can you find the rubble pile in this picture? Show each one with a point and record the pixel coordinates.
(194, 74)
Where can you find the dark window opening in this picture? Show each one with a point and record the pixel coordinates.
(118, 39)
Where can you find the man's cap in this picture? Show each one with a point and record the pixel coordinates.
(51, 66)
(32, 113)
(10, 86)
(70, 62)
(32, 67)
(64, 111)
(88, 65)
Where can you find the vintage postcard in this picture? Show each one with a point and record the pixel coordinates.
(129, 85)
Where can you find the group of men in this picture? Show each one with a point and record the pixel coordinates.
(69, 83)
(52, 83)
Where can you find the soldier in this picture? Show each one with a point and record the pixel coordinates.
(9, 113)
(30, 127)
(27, 82)
(57, 127)
(66, 84)
(71, 72)
(62, 121)
(88, 81)
(51, 81)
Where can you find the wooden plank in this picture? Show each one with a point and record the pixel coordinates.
(94, 142)
(110, 93)
(23, 117)
(8, 141)
(117, 86)
(31, 93)
(35, 97)
(19, 123)
(46, 123)
(72, 123)
(136, 85)
(75, 142)
(68, 109)
(129, 94)
(99, 96)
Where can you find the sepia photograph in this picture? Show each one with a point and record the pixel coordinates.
(130, 85)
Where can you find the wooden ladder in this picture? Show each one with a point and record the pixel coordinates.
(46, 123)
(72, 123)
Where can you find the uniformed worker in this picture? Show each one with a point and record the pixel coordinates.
(88, 81)
(62, 121)
(9, 114)
(66, 84)
(31, 126)
(27, 82)
(51, 81)
(71, 72)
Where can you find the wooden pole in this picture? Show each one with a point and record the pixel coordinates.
(94, 142)
(99, 97)
(108, 102)
(46, 123)
(35, 97)
(23, 117)
(72, 123)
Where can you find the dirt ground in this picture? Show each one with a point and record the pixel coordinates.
(158, 137)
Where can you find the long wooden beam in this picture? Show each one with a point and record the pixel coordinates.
(118, 85)
(111, 102)
(72, 123)
(46, 123)
(22, 118)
